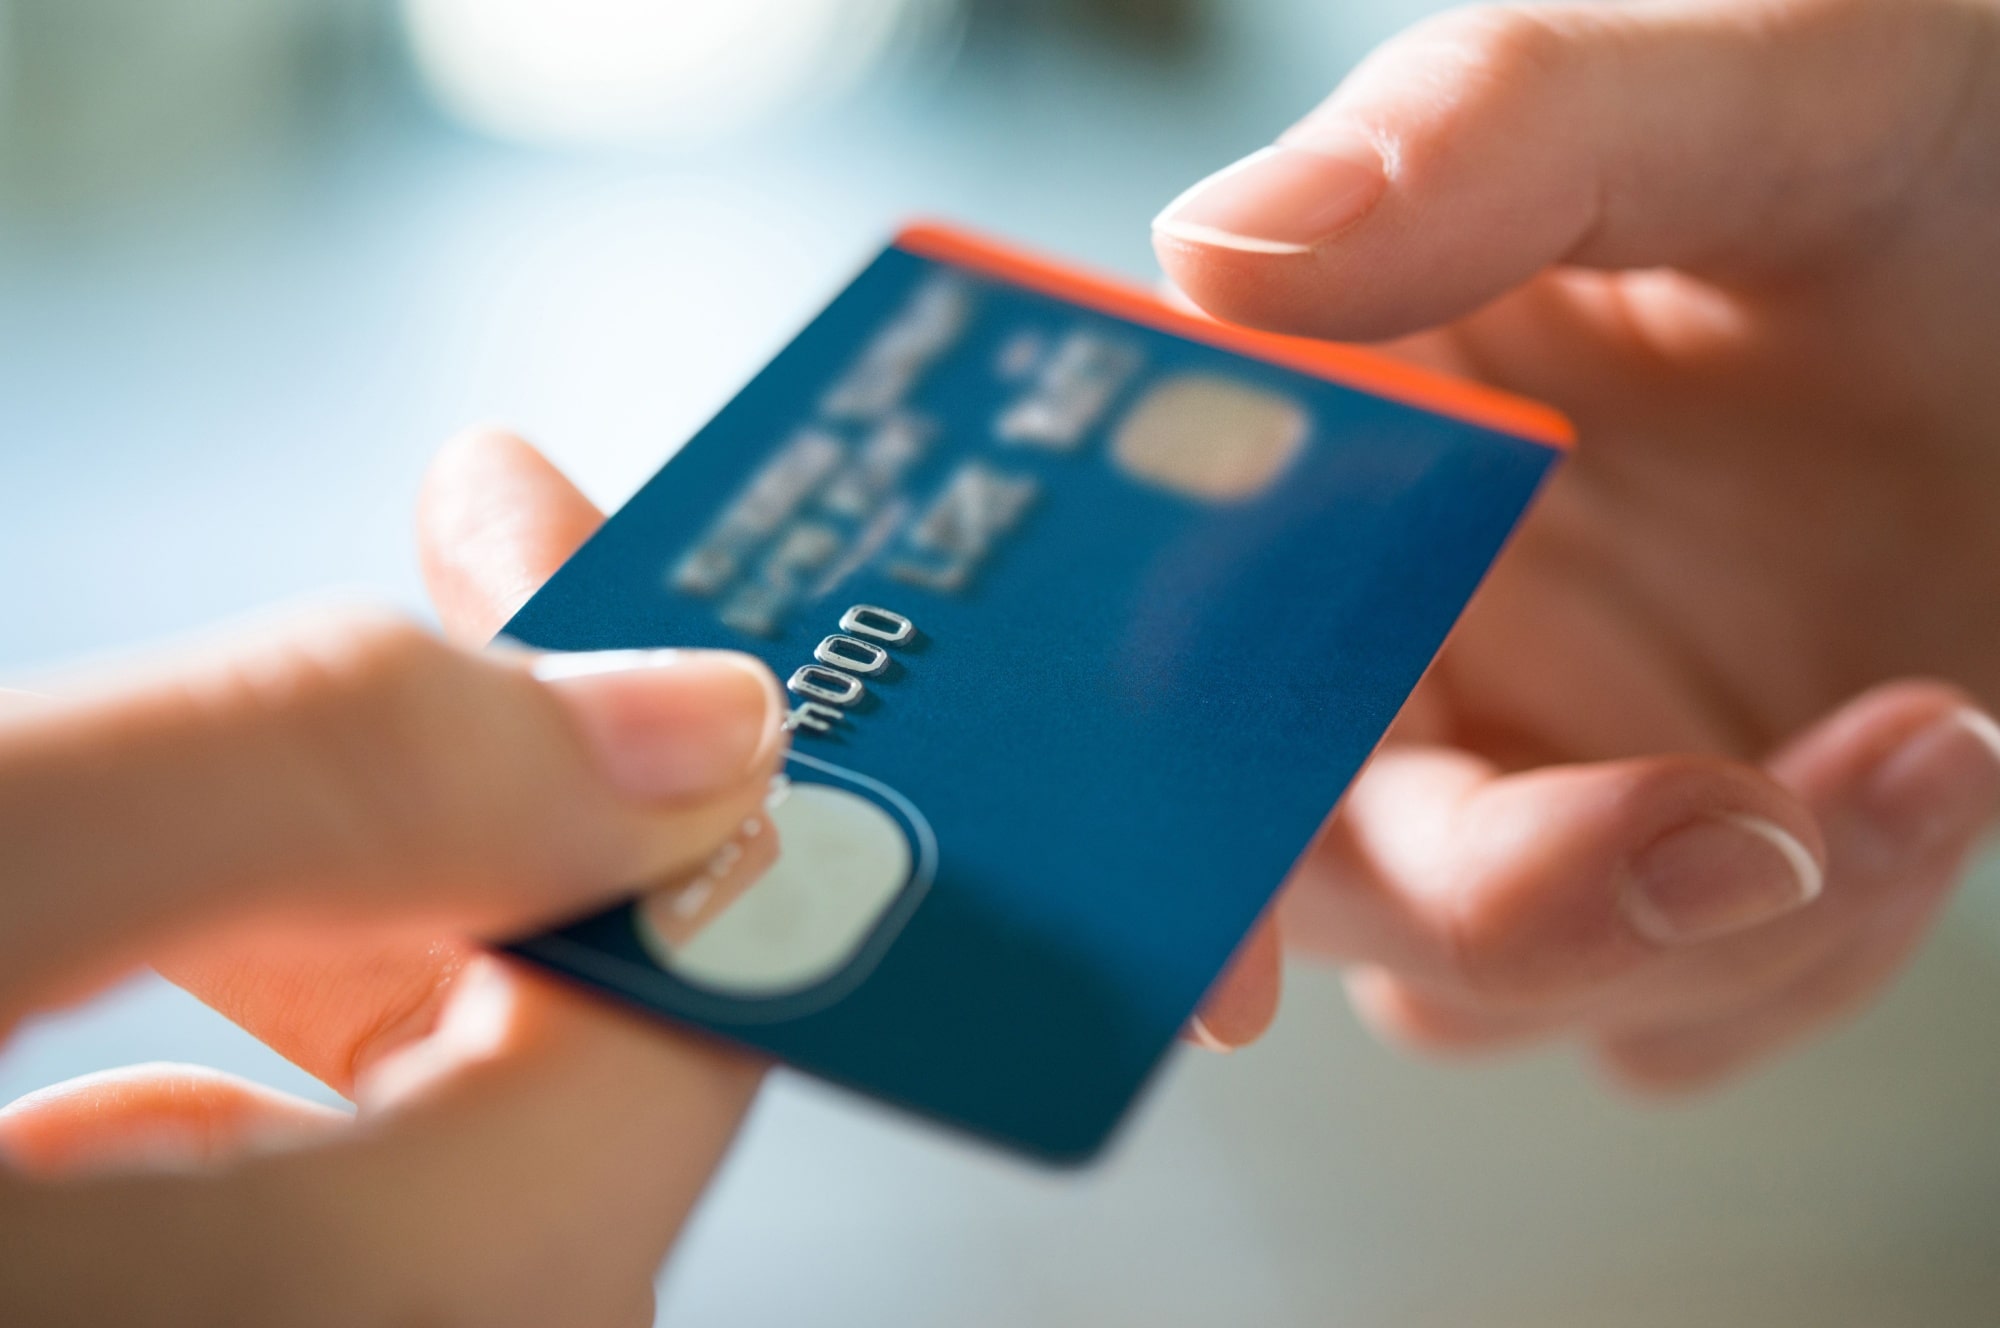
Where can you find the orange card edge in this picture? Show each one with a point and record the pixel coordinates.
(1339, 362)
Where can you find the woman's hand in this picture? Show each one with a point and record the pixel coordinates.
(1685, 783)
(298, 826)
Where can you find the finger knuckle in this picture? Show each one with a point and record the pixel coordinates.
(1476, 73)
(1499, 51)
(1507, 43)
(361, 683)
(1662, 792)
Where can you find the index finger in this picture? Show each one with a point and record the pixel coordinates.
(1492, 142)
(495, 520)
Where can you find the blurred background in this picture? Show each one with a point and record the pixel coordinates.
(258, 257)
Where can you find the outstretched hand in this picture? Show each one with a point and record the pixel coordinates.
(1708, 753)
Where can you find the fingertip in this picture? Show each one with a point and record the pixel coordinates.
(494, 520)
(1275, 291)
(1493, 142)
(1864, 730)
(471, 460)
(1905, 771)
(1689, 1057)
(1665, 1072)
(671, 725)
(1201, 1035)
(1985, 730)
(1244, 242)
(1280, 201)
(1550, 862)
(475, 441)
(1243, 1004)
(1397, 1012)
(1719, 874)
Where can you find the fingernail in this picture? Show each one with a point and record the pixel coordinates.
(1715, 876)
(1204, 1037)
(1942, 781)
(667, 724)
(1284, 199)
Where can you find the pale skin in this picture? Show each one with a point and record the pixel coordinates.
(301, 823)
(1753, 248)
(291, 823)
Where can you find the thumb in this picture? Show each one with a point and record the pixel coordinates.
(356, 767)
(1732, 138)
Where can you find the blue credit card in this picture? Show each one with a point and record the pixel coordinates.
(1091, 610)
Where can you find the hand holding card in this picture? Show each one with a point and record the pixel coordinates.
(299, 827)
(1708, 756)
(1089, 610)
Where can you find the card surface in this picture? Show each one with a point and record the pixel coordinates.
(1090, 609)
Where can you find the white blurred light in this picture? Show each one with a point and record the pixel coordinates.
(649, 70)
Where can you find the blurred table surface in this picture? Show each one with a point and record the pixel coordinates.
(216, 398)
